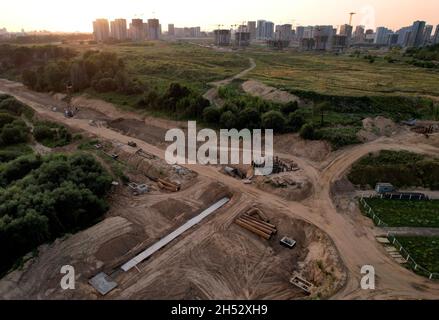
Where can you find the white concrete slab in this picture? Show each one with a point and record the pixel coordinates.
(170, 237)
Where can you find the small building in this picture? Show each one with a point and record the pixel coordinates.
(384, 187)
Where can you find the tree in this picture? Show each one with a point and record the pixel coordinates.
(228, 120)
(295, 121)
(249, 118)
(321, 108)
(273, 120)
(212, 115)
(13, 134)
(6, 118)
(307, 132)
(30, 78)
(289, 107)
(55, 76)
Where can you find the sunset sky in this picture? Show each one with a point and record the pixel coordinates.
(78, 15)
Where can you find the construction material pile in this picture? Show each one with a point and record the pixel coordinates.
(283, 166)
(168, 186)
(255, 221)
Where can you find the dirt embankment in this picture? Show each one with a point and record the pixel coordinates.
(258, 89)
(374, 128)
(292, 144)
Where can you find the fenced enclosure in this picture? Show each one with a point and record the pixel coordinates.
(394, 241)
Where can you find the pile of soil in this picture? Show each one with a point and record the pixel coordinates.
(292, 144)
(258, 89)
(294, 186)
(374, 128)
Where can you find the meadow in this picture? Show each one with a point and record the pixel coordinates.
(345, 75)
(158, 64)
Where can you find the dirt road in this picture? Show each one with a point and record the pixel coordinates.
(353, 235)
(212, 94)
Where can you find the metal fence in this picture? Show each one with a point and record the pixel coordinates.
(404, 253)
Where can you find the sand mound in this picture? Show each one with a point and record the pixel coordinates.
(294, 145)
(373, 128)
(258, 89)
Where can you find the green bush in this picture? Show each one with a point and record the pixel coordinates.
(307, 132)
(402, 169)
(289, 107)
(13, 133)
(295, 121)
(211, 115)
(6, 118)
(339, 136)
(45, 198)
(228, 120)
(52, 134)
(273, 120)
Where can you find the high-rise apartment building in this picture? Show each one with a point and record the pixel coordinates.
(153, 29)
(346, 30)
(427, 33)
(359, 34)
(299, 33)
(119, 29)
(322, 36)
(436, 35)
(251, 28)
(284, 32)
(101, 30)
(404, 36)
(269, 30)
(171, 30)
(137, 30)
(417, 34)
(260, 30)
(382, 36)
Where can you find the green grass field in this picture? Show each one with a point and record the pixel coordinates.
(424, 250)
(422, 214)
(161, 63)
(342, 75)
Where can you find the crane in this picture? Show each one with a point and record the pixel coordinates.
(351, 15)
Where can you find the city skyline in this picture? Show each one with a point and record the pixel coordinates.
(43, 15)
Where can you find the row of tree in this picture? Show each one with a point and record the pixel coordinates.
(102, 71)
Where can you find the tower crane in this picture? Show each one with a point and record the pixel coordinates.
(351, 15)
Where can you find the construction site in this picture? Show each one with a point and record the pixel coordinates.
(217, 232)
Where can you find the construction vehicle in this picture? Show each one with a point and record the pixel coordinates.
(132, 144)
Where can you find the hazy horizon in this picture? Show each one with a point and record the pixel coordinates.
(71, 17)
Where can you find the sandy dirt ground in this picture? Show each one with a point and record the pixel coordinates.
(374, 128)
(258, 89)
(352, 234)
